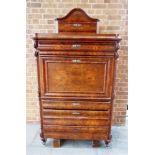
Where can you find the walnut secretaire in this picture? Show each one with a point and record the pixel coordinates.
(76, 71)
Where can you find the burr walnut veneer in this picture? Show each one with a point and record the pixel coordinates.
(76, 71)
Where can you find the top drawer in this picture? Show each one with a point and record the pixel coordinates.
(77, 21)
(77, 27)
(50, 46)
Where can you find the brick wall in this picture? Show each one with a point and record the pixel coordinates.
(113, 19)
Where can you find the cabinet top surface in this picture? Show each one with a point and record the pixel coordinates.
(55, 36)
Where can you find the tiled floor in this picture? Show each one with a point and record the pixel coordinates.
(118, 146)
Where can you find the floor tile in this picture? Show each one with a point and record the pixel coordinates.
(74, 151)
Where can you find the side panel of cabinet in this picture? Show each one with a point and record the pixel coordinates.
(75, 77)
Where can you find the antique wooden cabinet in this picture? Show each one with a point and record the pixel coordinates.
(76, 71)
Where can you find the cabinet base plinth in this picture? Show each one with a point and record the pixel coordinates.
(95, 143)
(56, 143)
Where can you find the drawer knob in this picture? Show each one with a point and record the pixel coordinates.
(76, 104)
(76, 25)
(76, 61)
(76, 113)
(76, 46)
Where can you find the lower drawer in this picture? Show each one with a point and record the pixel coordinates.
(77, 135)
(76, 105)
(50, 113)
(76, 121)
(93, 129)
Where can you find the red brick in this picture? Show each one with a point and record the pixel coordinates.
(114, 17)
(84, 5)
(50, 22)
(113, 27)
(36, 5)
(118, 6)
(98, 6)
(107, 1)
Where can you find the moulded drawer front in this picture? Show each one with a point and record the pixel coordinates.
(79, 114)
(76, 105)
(103, 129)
(76, 121)
(76, 135)
(76, 47)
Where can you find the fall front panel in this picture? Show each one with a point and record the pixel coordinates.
(76, 76)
